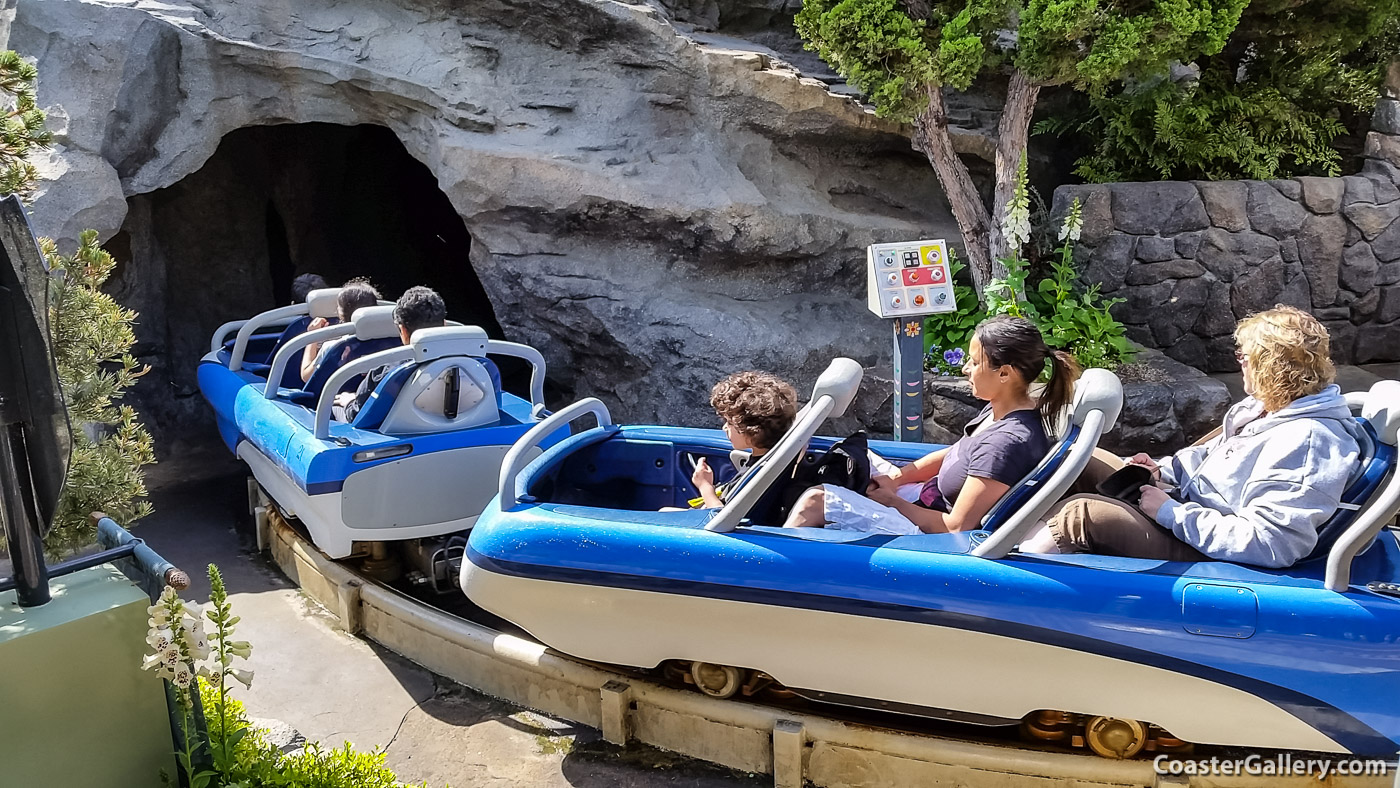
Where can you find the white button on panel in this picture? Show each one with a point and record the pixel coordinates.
(892, 279)
(897, 302)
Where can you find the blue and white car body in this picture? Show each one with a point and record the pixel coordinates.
(419, 460)
(953, 626)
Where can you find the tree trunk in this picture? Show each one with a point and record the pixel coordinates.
(1012, 134)
(931, 135)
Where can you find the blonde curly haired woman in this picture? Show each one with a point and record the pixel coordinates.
(1255, 494)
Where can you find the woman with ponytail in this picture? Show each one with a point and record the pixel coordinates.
(952, 489)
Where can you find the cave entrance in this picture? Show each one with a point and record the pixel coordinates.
(273, 202)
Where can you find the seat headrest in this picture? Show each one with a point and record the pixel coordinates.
(840, 381)
(442, 341)
(374, 322)
(322, 303)
(1097, 389)
(1382, 409)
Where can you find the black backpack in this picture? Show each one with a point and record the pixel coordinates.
(846, 464)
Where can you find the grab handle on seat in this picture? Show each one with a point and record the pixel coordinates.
(240, 344)
(1003, 539)
(343, 375)
(221, 334)
(503, 348)
(292, 350)
(518, 457)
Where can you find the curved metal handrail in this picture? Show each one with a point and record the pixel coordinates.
(503, 348)
(999, 544)
(518, 457)
(293, 349)
(245, 332)
(343, 375)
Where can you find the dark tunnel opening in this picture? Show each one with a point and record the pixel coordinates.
(273, 202)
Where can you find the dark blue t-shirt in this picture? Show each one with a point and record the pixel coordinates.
(1007, 450)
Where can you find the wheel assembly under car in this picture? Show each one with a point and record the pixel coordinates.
(1109, 737)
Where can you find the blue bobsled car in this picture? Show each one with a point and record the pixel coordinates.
(1126, 653)
(419, 460)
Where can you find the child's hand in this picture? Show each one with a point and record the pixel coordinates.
(881, 482)
(883, 493)
(319, 322)
(703, 478)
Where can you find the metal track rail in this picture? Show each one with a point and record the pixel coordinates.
(796, 748)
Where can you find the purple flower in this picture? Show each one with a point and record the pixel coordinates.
(954, 357)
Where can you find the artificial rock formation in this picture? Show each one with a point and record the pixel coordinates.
(650, 212)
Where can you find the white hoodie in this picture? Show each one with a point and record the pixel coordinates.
(1258, 493)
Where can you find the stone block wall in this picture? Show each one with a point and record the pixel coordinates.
(1191, 258)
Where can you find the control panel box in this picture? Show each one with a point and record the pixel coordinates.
(909, 278)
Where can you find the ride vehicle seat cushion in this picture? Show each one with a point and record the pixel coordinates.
(350, 349)
(291, 376)
(371, 416)
(846, 464)
(1377, 459)
(1017, 496)
(495, 373)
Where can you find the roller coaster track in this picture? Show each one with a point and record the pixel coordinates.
(797, 747)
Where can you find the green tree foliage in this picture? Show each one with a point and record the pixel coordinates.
(92, 338)
(1270, 104)
(23, 130)
(902, 52)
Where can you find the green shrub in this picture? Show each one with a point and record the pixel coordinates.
(1076, 319)
(1071, 317)
(92, 338)
(1272, 103)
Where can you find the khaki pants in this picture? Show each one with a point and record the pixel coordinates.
(1087, 522)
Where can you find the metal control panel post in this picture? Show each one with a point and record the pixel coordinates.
(907, 281)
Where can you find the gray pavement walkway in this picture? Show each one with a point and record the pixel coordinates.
(334, 687)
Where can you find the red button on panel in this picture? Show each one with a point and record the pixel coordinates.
(920, 300)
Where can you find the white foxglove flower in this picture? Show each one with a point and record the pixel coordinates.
(1074, 222)
(245, 677)
(159, 615)
(198, 645)
(160, 639)
(183, 676)
(170, 655)
(240, 648)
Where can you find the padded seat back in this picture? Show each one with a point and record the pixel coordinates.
(1097, 402)
(1017, 496)
(1377, 459)
(448, 385)
(375, 330)
(442, 395)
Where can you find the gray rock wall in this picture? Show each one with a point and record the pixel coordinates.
(1190, 259)
(650, 212)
